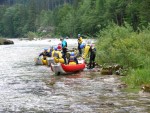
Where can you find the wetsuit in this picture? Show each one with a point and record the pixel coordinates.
(92, 51)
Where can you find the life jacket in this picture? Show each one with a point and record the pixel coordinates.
(86, 51)
(80, 40)
(56, 54)
(64, 44)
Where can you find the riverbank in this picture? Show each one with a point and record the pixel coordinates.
(5, 41)
(130, 49)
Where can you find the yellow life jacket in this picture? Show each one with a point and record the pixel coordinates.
(86, 51)
(80, 40)
(56, 54)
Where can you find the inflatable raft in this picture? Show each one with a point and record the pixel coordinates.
(40, 61)
(59, 68)
(51, 60)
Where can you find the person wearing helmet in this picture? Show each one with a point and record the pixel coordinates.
(64, 49)
(56, 54)
(50, 50)
(86, 50)
(79, 43)
(72, 58)
(92, 51)
(45, 54)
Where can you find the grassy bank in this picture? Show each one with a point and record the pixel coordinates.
(132, 50)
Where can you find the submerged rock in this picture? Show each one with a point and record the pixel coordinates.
(5, 42)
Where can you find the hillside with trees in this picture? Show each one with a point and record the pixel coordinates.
(69, 17)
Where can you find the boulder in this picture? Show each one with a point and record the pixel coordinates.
(5, 42)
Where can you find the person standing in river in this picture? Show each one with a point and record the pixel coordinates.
(64, 48)
(79, 43)
(92, 51)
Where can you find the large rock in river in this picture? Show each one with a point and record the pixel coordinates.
(6, 42)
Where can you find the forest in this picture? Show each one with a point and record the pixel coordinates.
(70, 17)
(121, 27)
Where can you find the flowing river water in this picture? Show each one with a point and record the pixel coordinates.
(27, 88)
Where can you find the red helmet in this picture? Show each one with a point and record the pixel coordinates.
(59, 47)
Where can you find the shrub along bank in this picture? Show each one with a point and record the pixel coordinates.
(119, 44)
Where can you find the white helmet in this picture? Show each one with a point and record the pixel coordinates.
(79, 35)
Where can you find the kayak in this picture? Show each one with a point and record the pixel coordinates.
(60, 68)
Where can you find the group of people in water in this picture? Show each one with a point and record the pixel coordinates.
(61, 51)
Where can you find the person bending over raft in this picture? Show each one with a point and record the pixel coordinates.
(72, 58)
(86, 48)
(89, 50)
(45, 54)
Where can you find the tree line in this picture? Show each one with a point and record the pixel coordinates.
(70, 17)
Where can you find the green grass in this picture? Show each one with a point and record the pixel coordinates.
(137, 77)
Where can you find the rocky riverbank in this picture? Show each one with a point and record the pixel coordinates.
(5, 42)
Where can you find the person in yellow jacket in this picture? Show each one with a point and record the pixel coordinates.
(57, 56)
(86, 50)
(79, 43)
(90, 52)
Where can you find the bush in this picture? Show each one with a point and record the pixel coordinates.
(123, 46)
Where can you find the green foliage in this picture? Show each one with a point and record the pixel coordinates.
(86, 17)
(137, 77)
(121, 45)
(44, 19)
(66, 20)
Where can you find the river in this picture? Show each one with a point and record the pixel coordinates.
(27, 88)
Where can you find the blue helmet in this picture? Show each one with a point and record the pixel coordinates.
(55, 48)
(72, 54)
(82, 45)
